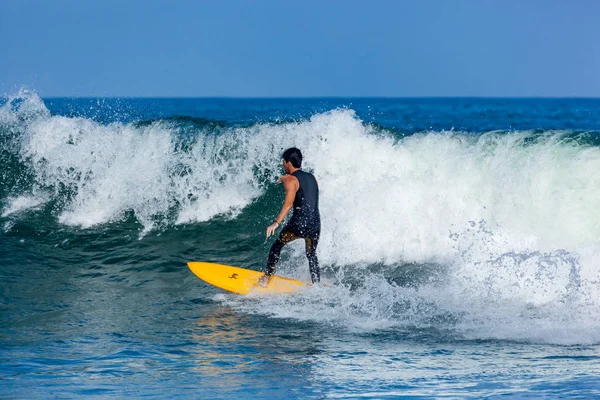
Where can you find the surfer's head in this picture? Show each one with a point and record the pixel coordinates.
(292, 157)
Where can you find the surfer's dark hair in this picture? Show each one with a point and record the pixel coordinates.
(294, 156)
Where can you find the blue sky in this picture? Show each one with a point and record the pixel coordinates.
(280, 48)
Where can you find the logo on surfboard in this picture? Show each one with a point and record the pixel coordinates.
(234, 276)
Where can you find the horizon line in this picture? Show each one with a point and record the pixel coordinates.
(321, 97)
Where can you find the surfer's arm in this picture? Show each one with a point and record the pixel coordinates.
(291, 185)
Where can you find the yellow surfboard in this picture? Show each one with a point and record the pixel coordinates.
(241, 280)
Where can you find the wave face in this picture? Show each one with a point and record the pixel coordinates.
(493, 233)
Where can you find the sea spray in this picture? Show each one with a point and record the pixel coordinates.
(502, 226)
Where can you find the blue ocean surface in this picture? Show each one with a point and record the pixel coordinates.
(460, 247)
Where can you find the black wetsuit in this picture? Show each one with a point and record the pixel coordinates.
(305, 223)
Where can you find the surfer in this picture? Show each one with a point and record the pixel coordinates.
(301, 195)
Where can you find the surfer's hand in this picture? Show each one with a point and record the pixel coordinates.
(281, 178)
(271, 228)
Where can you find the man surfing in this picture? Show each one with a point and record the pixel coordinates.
(301, 194)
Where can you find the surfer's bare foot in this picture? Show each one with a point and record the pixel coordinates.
(263, 281)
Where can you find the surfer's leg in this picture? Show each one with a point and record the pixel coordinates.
(284, 238)
(313, 261)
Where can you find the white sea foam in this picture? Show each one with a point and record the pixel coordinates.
(516, 223)
(22, 107)
(21, 203)
(513, 218)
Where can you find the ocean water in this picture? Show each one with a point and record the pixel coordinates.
(460, 242)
